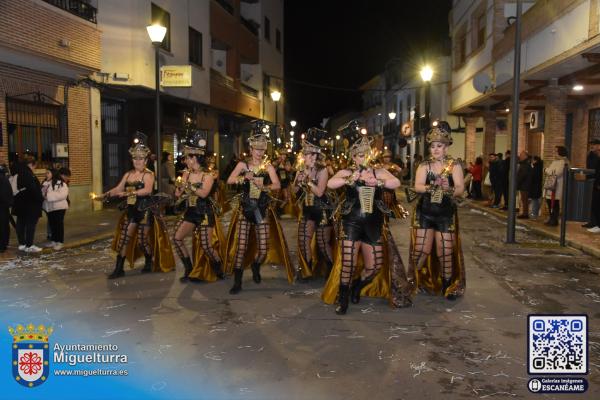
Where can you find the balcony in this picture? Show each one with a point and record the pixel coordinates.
(221, 79)
(251, 25)
(226, 5)
(249, 91)
(79, 8)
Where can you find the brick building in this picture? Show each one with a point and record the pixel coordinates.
(560, 71)
(46, 53)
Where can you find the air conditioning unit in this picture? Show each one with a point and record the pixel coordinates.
(536, 120)
(60, 150)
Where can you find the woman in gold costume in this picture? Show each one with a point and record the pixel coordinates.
(197, 185)
(257, 178)
(362, 217)
(316, 215)
(437, 269)
(141, 221)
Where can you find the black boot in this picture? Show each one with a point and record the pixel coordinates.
(187, 264)
(445, 285)
(299, 277)
(216, 267)
(344, 295)
(357, 287)
(256, 272)
(147, 264)
(118, 272)
(237, 282)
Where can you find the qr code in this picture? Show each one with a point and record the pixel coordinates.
(557, 344)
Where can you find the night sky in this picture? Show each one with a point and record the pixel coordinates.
(344, 43)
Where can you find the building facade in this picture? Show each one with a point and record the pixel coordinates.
(559, 93)
(234, 48)
(47, 106)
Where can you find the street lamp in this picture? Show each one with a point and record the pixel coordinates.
(392, 115)
(293, 123)
(426, 74)
(157, 34)
(276, 96)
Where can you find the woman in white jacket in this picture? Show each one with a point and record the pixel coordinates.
(553, 197)
(56, 204)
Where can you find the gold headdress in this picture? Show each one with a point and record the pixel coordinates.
(139, 149)
(315, 141)
(355, 142)
(195, 142)
(440, 132)
(259, 139)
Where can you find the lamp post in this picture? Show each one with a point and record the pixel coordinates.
(157, 34)
(426, 75)
(276, 96)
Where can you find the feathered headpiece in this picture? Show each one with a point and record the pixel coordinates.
(139, 148)
(354, 141)
(315, 141)
(259, 139)
(195, 142)
(440, 132)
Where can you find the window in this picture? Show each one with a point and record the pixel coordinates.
(160, 16)
(460, 46)
(478, 27)
(195, 44)
(34, 127)
(267, 29)
(278, 39)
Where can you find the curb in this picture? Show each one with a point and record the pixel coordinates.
(579, 246)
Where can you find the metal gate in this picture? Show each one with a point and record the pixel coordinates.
(37, 125)
(115, 142)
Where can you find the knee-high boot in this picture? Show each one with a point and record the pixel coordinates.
(187, 264)
(119, 265)
(217, 269)
(344, 295)
(357, 286)
(256, 272)
(147, 263)
(237, 283)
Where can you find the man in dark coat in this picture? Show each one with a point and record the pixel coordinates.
(504, 178)
(595, 214)
(535, 186)
(27, 205)
(524, 173)
(494, 169)
(592, 163)
(6, 201)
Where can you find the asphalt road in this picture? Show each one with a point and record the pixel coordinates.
(276, 340)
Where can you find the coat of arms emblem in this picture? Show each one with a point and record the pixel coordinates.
(30, 354)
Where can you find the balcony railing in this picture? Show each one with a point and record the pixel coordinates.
(221, 79)
(226, 5)
(250, 91)
(76, 7)
(251, 25)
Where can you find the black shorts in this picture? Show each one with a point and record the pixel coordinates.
(366, 229)
(199, 218)
(134, 215)
(312, 213)
(439, 219)
(254, 211)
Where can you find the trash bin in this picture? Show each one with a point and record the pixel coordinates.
(579, 195)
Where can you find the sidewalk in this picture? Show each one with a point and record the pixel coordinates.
(80, 228)
(576, 236)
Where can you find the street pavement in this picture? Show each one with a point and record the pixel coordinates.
(275, 340)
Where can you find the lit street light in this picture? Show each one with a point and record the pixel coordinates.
(293, 123)
(276, 96)
(157, 34)
(392, 115)
(426, 73)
